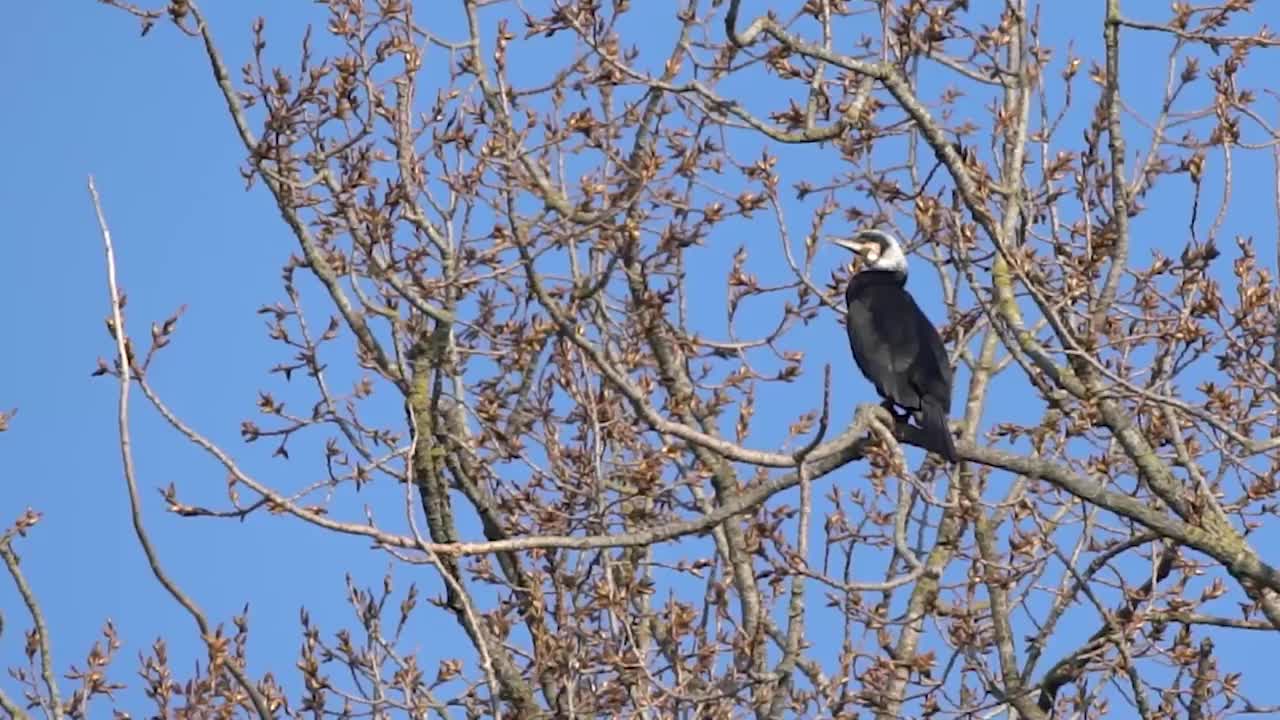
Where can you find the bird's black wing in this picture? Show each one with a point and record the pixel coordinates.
(932, 372)
(885, 336)
(931, 376)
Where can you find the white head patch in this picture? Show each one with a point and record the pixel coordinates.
(880, 249)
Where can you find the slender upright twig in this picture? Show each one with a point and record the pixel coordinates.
(53, 708)
(124, 364)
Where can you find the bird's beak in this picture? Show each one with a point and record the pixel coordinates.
(853, 244)
(859, 247)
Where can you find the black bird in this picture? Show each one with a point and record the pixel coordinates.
(893, 342)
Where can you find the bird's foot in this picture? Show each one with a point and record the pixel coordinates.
(900, 417)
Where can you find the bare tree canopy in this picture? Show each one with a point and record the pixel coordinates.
(571, 310)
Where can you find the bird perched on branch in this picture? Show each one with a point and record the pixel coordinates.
(895, 345)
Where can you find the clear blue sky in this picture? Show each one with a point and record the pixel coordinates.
(83, 94)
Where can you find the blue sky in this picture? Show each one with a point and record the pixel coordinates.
(85, 95)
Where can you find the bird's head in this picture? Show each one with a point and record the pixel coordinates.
(878, 249)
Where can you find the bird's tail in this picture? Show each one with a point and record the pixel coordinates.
(937, 431)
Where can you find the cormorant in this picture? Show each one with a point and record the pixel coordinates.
(893, 342)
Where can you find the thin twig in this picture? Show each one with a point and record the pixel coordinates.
(126, 457)
(54, 707)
